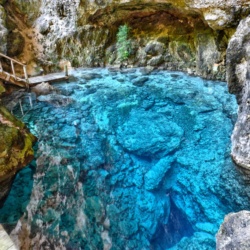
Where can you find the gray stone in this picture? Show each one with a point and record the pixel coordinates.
(140, 81)
(43, 88)
(234, 233)
(238, 59)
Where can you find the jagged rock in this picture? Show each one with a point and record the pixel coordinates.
(15, 149)
(195, 32)
(15, 43)
(55, 99)
(2, 88)
(139, 82)
(154, 48)
(238, 81)
(234, 233)
(43, 88)
(3, 30)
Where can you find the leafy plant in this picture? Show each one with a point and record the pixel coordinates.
(123, 43)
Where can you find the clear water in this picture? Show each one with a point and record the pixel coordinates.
(130, 160)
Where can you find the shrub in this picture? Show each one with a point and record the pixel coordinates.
(123, 43)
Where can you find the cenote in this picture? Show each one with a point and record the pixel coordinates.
(128, 160)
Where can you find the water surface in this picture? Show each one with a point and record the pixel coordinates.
(132, 160)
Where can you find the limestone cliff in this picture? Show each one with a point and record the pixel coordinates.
(180, 35)
(238, 59)
(15, 149)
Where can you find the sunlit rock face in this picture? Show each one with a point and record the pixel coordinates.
(3, 30)
(15, 149)
(193, 35)
(234, 232)
(123, 165)
(238, 80)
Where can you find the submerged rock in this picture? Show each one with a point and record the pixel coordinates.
(129, 167)
(139, 136)
(43, 88)
(55, 99)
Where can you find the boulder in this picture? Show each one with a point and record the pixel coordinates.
(149, 140)
(234, 233)
(43, 88)
(55, 99)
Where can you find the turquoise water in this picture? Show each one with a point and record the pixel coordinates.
(130, 160)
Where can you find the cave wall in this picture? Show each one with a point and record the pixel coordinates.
(15, 149)
(182, 35)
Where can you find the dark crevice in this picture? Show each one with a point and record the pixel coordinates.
(171, 233)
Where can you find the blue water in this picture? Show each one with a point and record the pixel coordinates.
(131, 160)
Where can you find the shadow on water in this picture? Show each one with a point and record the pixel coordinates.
(19, 197)
(171, 233)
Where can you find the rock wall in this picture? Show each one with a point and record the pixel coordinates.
(15, 149)
(238, 56)
(234, 232)
(180, 35)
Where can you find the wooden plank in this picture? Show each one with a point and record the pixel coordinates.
(48, 78)
(5, 241)
(9, 78)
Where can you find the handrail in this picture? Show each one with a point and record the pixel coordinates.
(7, 57)
(12, 61)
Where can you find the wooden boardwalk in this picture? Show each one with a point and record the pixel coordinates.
(26, 81)
(55, 77)
(5, 241)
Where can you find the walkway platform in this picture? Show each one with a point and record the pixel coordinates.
(25, 81)
(55, 77)
(5, 241)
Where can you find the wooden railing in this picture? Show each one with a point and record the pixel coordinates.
(13, 74)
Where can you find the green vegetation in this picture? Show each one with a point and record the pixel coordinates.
(123, 43)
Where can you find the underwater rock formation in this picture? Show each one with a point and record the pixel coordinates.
(15, 149)
(108, 176)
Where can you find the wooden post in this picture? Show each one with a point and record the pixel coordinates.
(21, 107)
(25, 72)
(26, 76)
(13, 69)
(66, 70)
(30, 99)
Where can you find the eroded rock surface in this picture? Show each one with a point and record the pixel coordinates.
(234, 232)
(15, 149)
(97, 183)
(238, 58)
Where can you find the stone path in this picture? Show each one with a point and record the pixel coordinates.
(5, 241)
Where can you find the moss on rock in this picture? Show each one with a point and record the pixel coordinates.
(15, 149)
